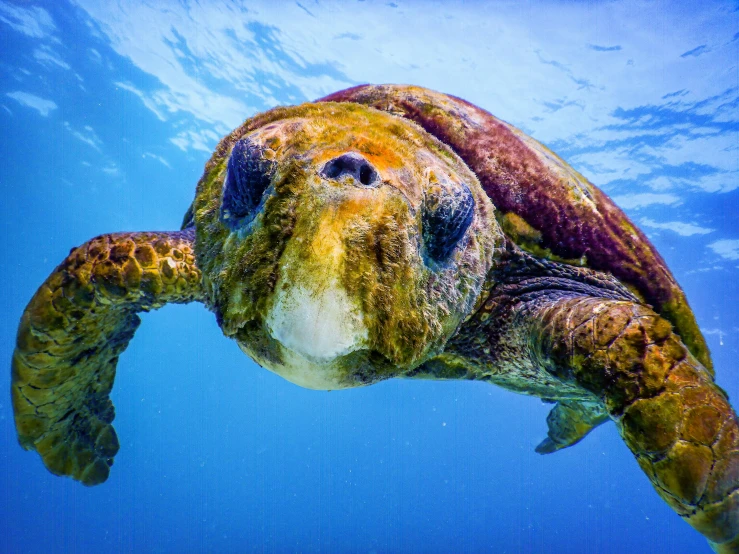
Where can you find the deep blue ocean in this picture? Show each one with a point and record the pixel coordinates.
(108, 112)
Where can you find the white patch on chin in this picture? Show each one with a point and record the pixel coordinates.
(305, 373)
(317, 325)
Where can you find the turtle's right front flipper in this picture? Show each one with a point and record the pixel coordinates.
(71, 334)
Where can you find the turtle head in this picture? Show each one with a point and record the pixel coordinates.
(340, 245)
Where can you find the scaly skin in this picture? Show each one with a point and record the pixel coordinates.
(72, 333)
(591, 336)
(674, 418)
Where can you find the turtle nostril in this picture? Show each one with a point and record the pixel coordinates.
(352, 165)
(365, 174)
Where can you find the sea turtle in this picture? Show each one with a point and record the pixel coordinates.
(393, 231)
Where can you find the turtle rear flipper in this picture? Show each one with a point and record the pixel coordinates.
(569, 422)
(71, 334)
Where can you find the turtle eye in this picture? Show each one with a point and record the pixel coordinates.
(445, 219)
(247, 177)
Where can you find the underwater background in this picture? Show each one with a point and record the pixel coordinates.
(109, 111)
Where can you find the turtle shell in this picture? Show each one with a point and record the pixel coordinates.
(544, 205)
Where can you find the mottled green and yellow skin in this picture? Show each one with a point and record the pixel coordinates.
(70, 337)
(341, 244)
(606, 355)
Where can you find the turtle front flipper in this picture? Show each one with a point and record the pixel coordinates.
(71, 334)
(569, 422)
(674, 418)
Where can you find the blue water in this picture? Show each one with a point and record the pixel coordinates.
(108, 113)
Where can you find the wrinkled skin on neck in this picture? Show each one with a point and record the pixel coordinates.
(332, 283)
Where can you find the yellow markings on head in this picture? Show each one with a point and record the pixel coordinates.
(397, 150)
(338, 219)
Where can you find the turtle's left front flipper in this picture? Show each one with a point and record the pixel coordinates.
(674, 418)
(70, 337)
